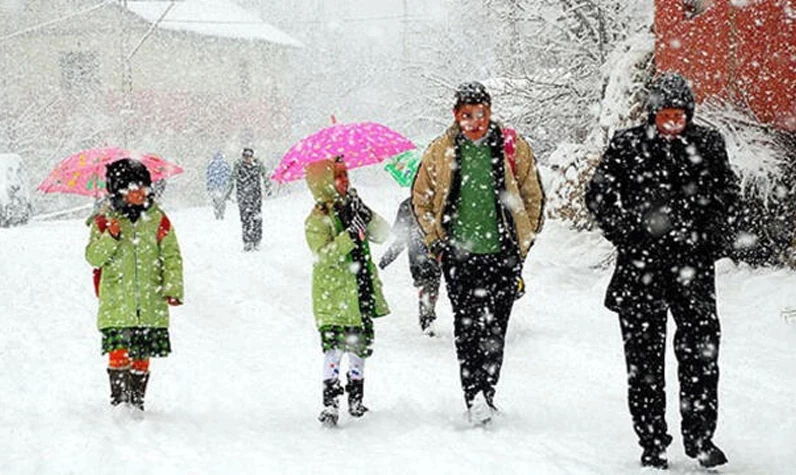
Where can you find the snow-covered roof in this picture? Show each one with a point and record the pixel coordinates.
(222, 18)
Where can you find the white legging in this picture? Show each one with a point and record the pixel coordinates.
(331, 365)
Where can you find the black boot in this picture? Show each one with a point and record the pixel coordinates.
(706, 453)
(654, 454)
(120, 380)
(138, 382)
(654, 457)
(356, 391)
(331, 391)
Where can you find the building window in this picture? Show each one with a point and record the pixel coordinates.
(79, 71)
(694, 8)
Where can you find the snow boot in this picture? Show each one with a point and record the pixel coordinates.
(706, 453)
(356, 391)
(138, 382)
(331, 390)
(120, 381)
(479, 412)
(429, 329)
(654, 457)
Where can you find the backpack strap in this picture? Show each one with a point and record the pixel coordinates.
(102, 222)
(163, 228)
(510, 147)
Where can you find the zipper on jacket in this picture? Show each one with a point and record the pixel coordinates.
(135, 262)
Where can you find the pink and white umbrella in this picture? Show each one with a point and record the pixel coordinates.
(83, 173)
(360, 144)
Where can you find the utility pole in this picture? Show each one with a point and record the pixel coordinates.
(126, 111)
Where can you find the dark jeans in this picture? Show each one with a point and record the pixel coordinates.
(428, 293)
(251, 218)
(482, 290)
(696, 346)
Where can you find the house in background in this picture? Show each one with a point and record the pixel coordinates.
(741, 52)
(203, 76)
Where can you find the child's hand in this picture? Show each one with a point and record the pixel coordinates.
(357, 229)
(114, 228)
(173, 302)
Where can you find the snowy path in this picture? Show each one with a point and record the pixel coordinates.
(241, 391)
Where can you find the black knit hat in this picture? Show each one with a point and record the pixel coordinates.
(670, 91)
(122, 173)
(471, 93)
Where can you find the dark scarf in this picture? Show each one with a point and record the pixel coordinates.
(367, 302)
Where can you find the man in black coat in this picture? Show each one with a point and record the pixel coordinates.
(250, 180)
(666, 197)
(426, 271)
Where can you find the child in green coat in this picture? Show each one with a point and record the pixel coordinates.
(138, 274)
(346, 290)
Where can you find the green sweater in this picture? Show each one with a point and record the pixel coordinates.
(475, 227)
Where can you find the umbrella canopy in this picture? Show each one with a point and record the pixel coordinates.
(360, 144)
(403, 167)
(84, 172)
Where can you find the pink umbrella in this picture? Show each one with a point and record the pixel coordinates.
(84, 172)
(360, 144)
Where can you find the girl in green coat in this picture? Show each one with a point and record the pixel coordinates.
(138, 275)
(346, 290)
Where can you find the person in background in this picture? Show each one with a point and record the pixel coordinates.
(135, 249)
(664, 194)
(425, 271)
(250, 180)
(217, 178)
(346, 290)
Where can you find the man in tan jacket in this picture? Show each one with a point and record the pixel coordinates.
(478, 199)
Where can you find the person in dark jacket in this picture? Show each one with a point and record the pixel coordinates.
(425, 271)
(249, 178)
(664, 194)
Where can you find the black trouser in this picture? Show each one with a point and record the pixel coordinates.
(482, 290)
(251, 218)
(696, 346)
(428, 292)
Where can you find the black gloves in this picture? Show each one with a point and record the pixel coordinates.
(355, 215)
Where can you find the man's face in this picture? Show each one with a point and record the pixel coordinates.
(473, 120)
(341, 178)
(670, 122)
(248, 156)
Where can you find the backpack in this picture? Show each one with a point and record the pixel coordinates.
(102, 224)
(510, 147)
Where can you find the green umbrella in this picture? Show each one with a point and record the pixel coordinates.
(403, 166)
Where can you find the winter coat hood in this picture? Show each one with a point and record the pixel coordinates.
(320, 180)
(670, 90)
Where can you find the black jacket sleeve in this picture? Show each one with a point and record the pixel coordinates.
(604, 193)
(400, 230)
(724, 209)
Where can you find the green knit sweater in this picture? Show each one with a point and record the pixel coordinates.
(475, 226)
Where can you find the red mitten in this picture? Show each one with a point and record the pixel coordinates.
(114, 228)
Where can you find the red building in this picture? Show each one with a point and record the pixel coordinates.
(742, 51)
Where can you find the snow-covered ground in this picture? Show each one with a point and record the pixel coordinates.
(241, 392)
